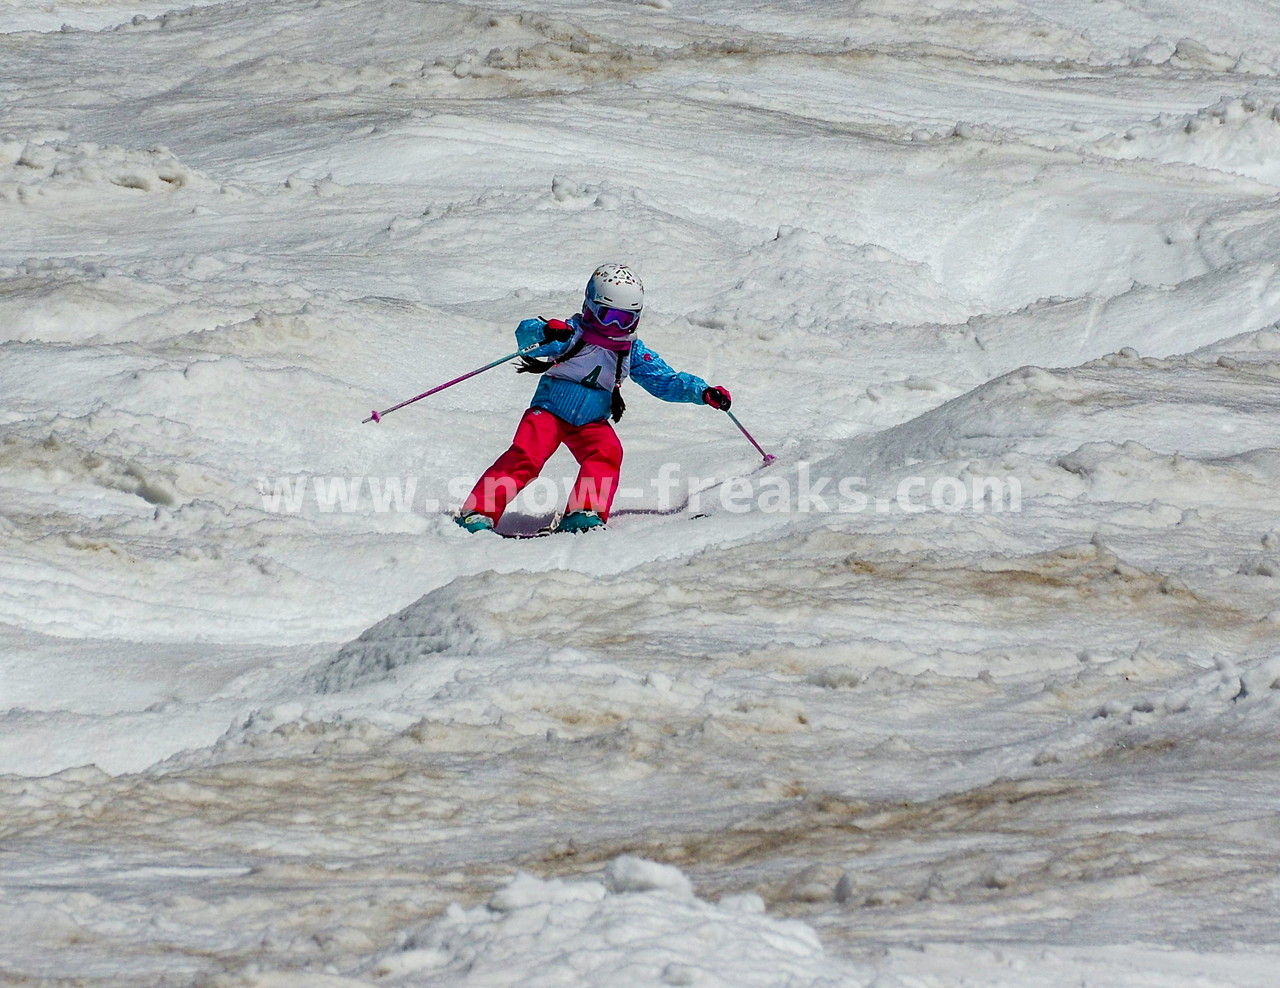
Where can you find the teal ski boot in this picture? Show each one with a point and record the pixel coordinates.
(576, 522)
(474, 521)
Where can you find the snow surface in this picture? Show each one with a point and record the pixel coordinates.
(927, 246)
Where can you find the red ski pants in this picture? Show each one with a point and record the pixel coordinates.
(595, 446)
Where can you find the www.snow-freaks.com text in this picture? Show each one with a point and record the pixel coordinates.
(667, 492)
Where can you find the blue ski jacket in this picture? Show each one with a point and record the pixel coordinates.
(580, 390)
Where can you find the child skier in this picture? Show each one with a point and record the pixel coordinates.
(587, 357)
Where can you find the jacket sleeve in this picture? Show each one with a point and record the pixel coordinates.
(653, 374)
(530, 331)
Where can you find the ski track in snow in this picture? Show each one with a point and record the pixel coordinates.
(1007, 240)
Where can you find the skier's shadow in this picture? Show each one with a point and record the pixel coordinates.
(649, 512)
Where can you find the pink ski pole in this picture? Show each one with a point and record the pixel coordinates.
(768, 457)
(377, 415)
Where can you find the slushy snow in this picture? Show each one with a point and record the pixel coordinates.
(977, 683)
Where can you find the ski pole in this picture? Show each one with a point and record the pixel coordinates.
(377, 415)
(768, 457)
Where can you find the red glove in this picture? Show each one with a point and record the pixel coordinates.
(556, 330)
(718, 397)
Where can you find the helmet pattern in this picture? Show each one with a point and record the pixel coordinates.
(617, 286)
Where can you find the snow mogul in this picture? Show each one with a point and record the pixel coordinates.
(583, 364)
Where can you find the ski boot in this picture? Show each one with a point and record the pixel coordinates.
(580, 521)
(474, 521)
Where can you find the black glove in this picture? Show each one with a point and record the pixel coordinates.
(556, 331)
(718, 397)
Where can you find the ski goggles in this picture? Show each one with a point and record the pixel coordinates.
(623, 319)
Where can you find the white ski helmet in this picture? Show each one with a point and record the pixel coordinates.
(615, 298)
(616, 286)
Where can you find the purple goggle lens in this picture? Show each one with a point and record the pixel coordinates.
(623, 319)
